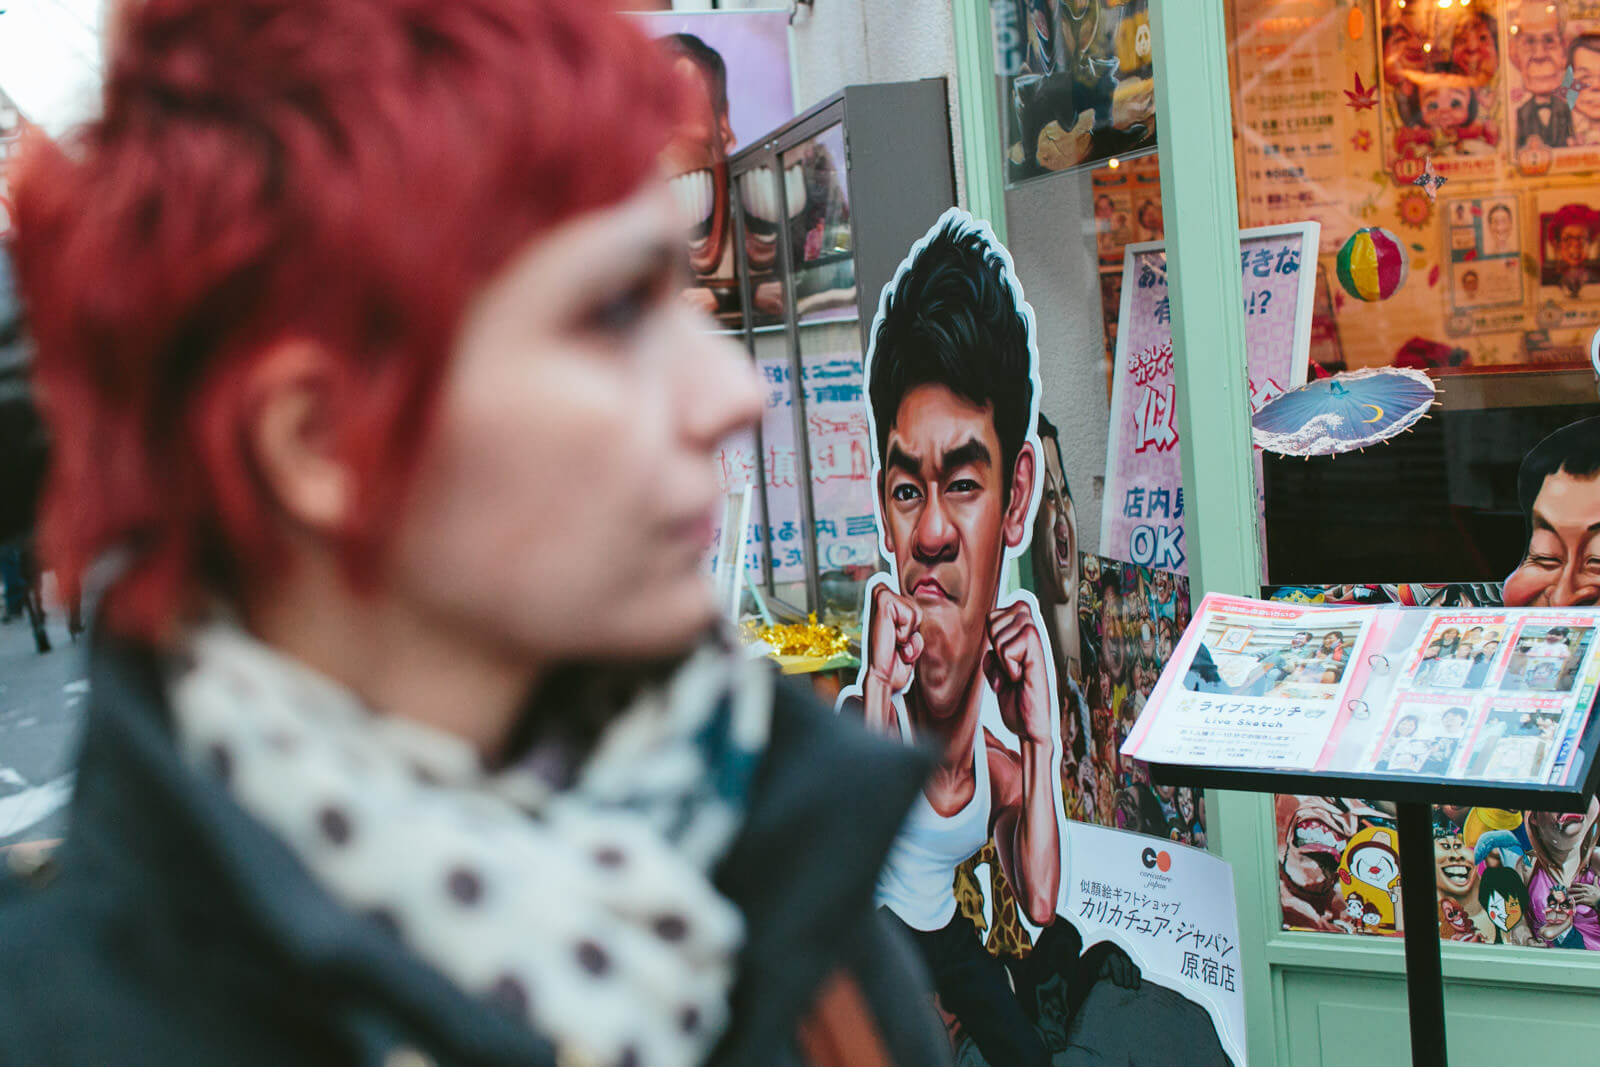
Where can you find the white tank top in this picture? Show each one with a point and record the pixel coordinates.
(917, 882)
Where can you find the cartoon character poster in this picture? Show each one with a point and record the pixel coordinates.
(1077, 82)
(1443, 100)
(952, 660)
(1130, 618)
(734, 67)
(1518, 877)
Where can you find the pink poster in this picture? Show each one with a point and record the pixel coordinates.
(1142, 516)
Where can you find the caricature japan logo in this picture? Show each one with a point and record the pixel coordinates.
(1157, 862)
(1153, 859)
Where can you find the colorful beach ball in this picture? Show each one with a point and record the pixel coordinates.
(1373, 264)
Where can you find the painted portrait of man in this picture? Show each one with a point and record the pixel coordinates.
(1539, 52)
(1558, 487)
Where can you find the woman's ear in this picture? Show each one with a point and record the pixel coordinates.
(291, 427)
(1022, 479)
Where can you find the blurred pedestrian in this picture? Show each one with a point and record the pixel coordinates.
(412, 736)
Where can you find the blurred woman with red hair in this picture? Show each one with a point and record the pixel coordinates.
(413, 738)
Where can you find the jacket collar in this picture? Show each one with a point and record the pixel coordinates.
(825, 806)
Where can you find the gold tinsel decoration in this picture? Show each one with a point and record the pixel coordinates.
(810, 638)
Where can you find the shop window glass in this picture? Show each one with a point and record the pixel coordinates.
(1469, 132)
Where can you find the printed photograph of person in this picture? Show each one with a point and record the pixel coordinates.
(1558, 487)
(1423, 739)
(1514, 744)
(1269, 659)
(1546, 658)
(1500, 236)
(1456, 656)
(1569, 254)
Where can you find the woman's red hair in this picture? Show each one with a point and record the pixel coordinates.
(343, 172)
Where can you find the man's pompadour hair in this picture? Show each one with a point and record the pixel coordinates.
(1574, 448)
(953, 320)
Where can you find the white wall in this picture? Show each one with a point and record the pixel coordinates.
(1049, 231)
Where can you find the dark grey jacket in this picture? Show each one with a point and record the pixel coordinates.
(171, 929)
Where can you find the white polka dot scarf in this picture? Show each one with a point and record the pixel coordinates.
(588, 912)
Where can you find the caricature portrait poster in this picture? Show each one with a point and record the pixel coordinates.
(1105, 945)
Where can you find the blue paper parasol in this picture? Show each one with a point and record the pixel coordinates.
(1345, 412)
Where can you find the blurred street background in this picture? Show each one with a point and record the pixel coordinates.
(42, 701)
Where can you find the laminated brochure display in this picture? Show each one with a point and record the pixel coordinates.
(1487, 708)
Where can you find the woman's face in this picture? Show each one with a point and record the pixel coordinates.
(565, 497)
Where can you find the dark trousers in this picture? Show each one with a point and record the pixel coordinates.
(974, 987)
(11, 577)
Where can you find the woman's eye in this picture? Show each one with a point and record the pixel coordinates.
(623, 313)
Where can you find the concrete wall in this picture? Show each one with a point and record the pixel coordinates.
(1049, 230)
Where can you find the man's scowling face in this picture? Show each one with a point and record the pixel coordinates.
(949, 516)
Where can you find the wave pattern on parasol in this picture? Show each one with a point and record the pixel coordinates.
(1344, 412)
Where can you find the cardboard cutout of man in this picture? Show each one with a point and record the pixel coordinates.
(1558, 486)
(1055, 559)
(952, 382)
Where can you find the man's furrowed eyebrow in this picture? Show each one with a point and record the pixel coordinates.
(898, 460)
(974, 452)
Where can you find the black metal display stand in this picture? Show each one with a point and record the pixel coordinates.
(1414, 796)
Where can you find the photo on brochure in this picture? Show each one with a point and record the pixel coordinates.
(1546, 658)
(1515, 742)
(1260, 657)
(1424, 737)
(1458, 653)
